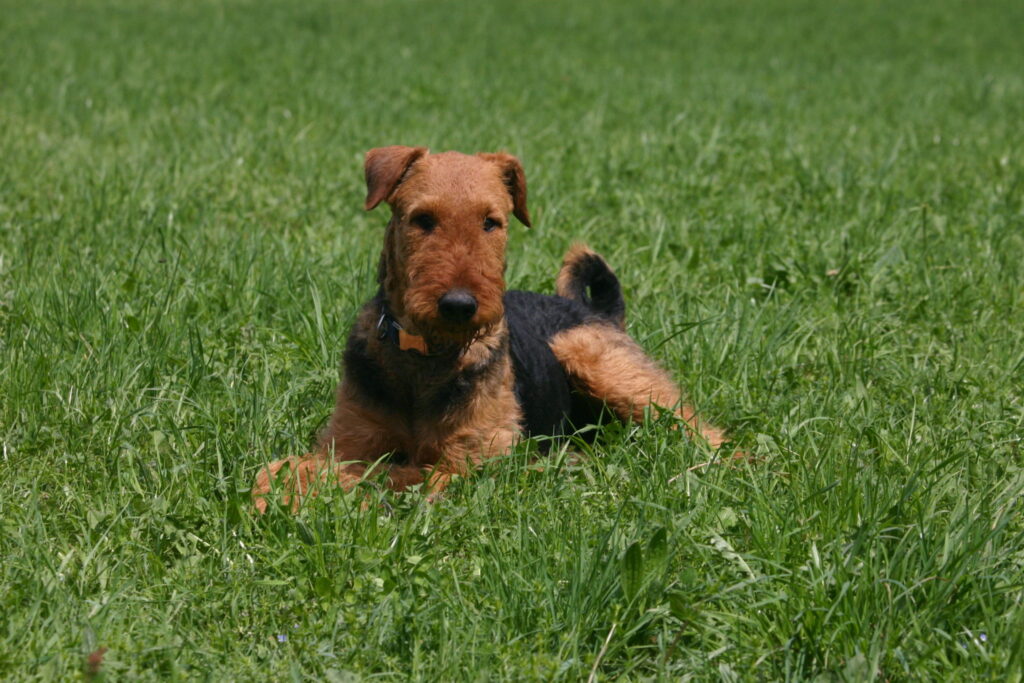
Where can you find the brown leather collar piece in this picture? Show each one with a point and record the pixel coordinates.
(412, 342)
(388, 329)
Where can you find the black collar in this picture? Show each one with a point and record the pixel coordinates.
(387, 326)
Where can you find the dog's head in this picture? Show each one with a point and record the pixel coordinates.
(443, 263)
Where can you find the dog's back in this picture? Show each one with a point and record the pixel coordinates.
(588, 292)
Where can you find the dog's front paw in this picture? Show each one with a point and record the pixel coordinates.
(290, 477)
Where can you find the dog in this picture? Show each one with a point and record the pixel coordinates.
(444, 368)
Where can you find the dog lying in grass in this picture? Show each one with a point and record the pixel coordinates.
(444, 368)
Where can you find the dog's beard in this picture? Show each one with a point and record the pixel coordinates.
(446, 336)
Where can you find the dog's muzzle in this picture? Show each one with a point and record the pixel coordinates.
(457, 306)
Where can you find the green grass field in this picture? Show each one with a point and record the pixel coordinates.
(816, 212)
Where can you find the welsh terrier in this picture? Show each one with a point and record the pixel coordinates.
(444, 368)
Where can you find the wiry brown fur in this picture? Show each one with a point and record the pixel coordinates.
(459, 191)
(399, 418)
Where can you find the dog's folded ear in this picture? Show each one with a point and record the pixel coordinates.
(385, 167)
(515, 180)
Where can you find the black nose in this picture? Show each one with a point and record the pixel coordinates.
(457, 306)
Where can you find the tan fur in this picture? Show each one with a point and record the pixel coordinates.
(577, 251)
(459, 191)
(605, 362)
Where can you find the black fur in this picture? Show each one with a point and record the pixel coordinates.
(389, 387)
(547, 400)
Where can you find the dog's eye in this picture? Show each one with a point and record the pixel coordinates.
(491, 224)
(424, 221)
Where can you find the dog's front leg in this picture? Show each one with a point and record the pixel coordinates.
(351, 449)
(302, 476)
(466, 450)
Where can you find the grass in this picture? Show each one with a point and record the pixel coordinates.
(815, 208)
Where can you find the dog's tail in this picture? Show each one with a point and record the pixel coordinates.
(587, 278)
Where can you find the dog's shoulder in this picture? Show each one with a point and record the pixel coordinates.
(363, 367)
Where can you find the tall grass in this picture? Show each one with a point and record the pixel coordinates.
(815, 209)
